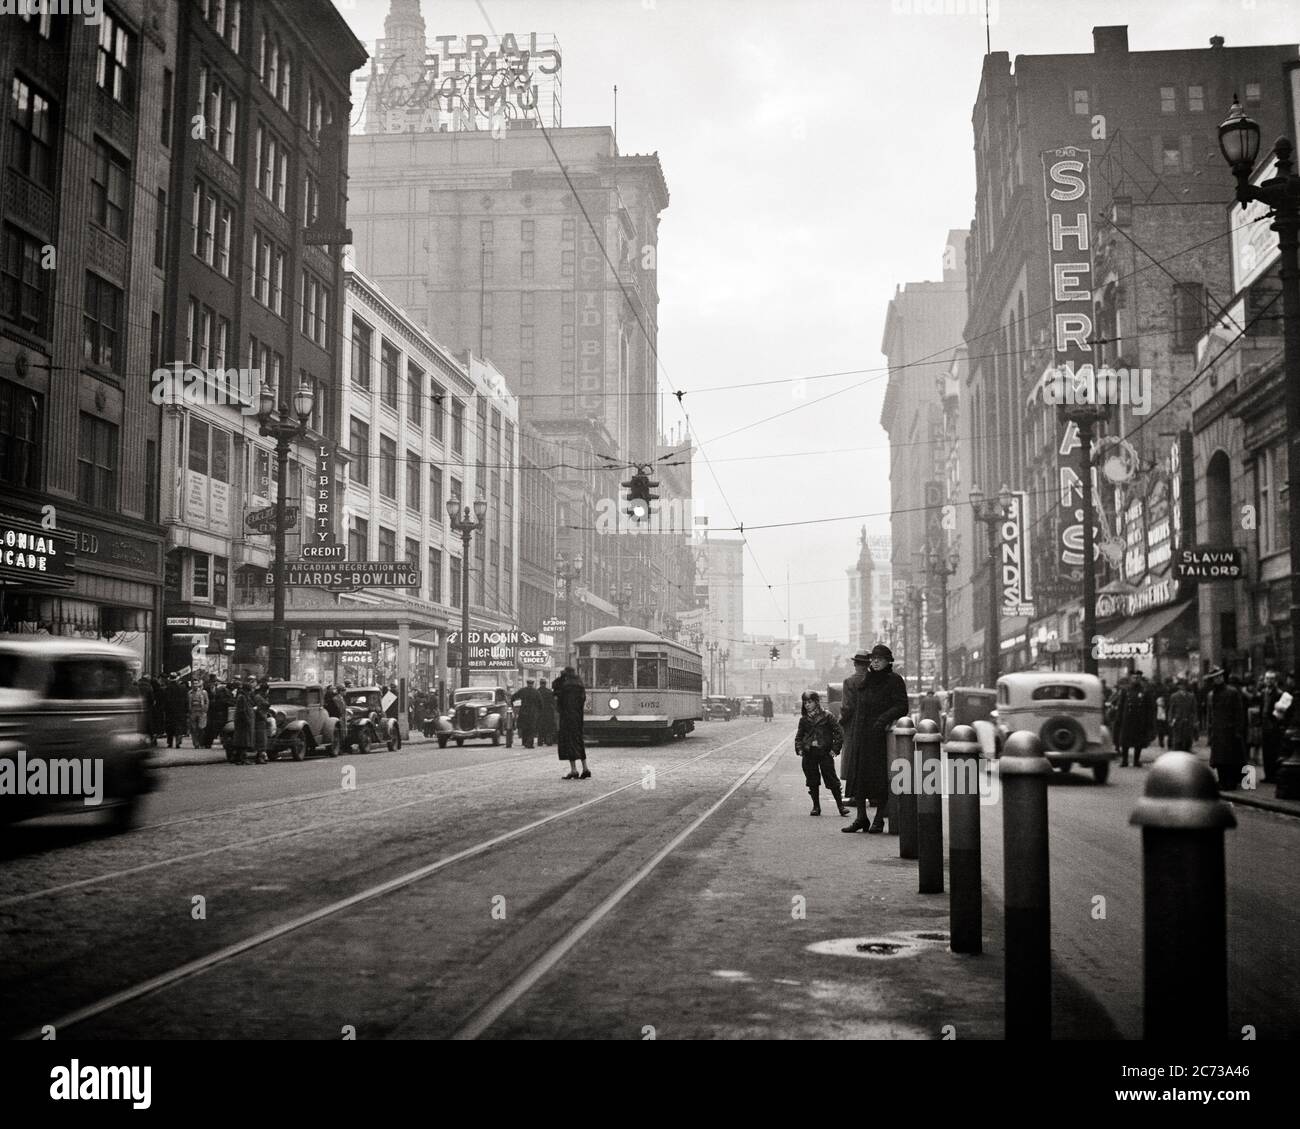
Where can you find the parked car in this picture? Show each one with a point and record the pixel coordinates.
(751, 707)
(975, 706)
(477, 713)
(1065, 710)
(301, 723)
(717, 708)
(368, 725)
(72, 705)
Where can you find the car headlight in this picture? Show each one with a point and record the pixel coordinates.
(482, 710)
(613, 703)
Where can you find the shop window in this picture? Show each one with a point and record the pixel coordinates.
(201, 577)
(22, 425)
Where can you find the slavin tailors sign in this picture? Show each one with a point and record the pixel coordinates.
(1067, 186)
(1017, 593)
(318, 541)
(345, 576)
(1204, 562)
(34, 557)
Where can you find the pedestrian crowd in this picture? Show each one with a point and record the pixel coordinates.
(1243, 720)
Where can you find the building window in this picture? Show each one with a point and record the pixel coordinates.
(359, 442)
(271, 168)
(43, 21)
(108, 184)
(387, 544)
(454, 582)
(388, 467)
(24, 286)
(526, 339)
(488, 265)
(1271, 484)
(97, 463)
(525, 372)
(165, 127)
(566, 231)
(1190, 320)
(435, 576)
(1196, 99)
(22, 425)
(435, 494)
(526, 305)
(526, 266)
(315, 309)
(359, 539)
(218, 108)
(160, 229)
(1168, 100)
(269, 262)
(101, 322)
(310, 200)
(1081, 100)
(414, 394)
(437, 395)
(388, 375)
(566, 340)
(1252, 94)
(413, 480)
(31, 146)
(566, 264)
(314, 112)
(115, 59)
(458, 428)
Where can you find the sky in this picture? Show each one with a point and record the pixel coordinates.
(816, 153)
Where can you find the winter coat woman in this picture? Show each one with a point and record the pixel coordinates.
(874, 698)
(1227, 730)
(242, 740)
(570, 698)
(177, 700)
(261, 718)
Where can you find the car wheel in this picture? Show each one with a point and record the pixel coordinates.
(442, 742)
(460, 742)
(230, 754)
(298, 747)
(124, 816)
(1101, 772)
(333, 748)
(1063, 734)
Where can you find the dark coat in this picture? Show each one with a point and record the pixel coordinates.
(1227, 727)
(767, 707)
(817, 735)
(261, 711)
(1182, 719)
(158, 715)
(243, 735)
(873, 701)
(177, 699)
(546, 723)
(570, 697)
(530, 710)
(1135, 720)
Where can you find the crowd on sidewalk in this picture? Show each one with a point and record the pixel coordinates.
(1243, 721)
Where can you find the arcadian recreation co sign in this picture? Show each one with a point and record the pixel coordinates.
(347, 576)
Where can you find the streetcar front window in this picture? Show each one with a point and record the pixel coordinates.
(587, 671)
(614, 672)
(649, 673)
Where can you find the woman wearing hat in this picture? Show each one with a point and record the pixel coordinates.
(874, 698)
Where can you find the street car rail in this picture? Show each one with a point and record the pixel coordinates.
(205, 963)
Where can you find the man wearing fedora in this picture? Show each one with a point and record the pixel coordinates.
(1226, 724)
(874, 698)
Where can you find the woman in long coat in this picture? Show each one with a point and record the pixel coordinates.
(570, 697)
(1227, 728)
(546, 722)
(261, 716)
(242, 739)
(177, 702)
(874, 698)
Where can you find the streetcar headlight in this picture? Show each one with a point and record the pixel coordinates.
(613, 703)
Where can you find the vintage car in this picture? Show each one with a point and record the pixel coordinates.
(71, 731)
(1064, 709)
(718, 708)
(477, 712)
(368, 724)
(751, 706)
(975, 706)
(301, 724)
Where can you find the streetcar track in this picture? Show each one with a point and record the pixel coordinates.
(200, 965)
(522, 984)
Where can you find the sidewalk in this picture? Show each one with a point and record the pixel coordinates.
(185, 757)
(1262, 796)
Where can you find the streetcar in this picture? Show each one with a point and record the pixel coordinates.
(639, 684)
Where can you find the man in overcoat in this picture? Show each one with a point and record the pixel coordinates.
(530, 712)
(1182, 718)
(1135, 720)
(1226, 723)
(547, 721)
(874, 698)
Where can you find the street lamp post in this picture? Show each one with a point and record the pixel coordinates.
(939, 567)
(915, 610)
(620, 597)
(724, 656)
(568, 571)
(1239, 141)
(991, 512)
(464, 523)
(275, 422)
(713, 650)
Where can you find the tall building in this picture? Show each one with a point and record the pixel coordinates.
(1147, 121)
(254, 261)
(870, 593)
(88, 146)
(923, 327)
(720, 573)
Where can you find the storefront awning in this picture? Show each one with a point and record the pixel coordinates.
(1151, 625)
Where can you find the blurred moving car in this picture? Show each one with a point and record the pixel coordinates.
(368, 724)
(752, 706)
(476, 713)
(302, 724)
(71, 731)
(1064, 709)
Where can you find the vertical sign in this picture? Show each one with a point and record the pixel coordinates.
(591, 313)
(1017, 591)
(322, 522)
(1067, 188)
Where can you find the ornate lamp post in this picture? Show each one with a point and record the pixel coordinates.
(464, 523)
(568, 571)
(992, 511)
(713, 650)
(620, 596)
(940, 566)
(1239, 141)
(275, 422)
(724, 656)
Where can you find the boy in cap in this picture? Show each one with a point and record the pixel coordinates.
(818, 741)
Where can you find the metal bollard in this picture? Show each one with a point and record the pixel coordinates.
(902, 788)
(966, 904)
(929, 808)
(1185, 928)
(1024, 772)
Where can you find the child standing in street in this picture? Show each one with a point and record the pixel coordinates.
(818, 739)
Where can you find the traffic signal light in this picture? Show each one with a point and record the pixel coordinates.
(639, 497)
(775, 653)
